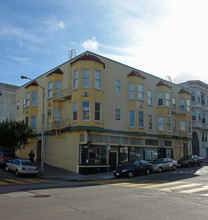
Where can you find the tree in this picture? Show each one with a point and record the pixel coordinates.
(13, 134)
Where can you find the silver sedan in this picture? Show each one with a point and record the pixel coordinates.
(162, 164)
(21, 166)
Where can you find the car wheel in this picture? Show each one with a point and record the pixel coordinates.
(17, 173)
(130, 174)
(7, 168)
(160, 169)
(147, 171)
(174, 167)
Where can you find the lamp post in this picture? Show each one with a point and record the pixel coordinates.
(42, 123)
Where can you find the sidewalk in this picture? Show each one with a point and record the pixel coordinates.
(55, 173)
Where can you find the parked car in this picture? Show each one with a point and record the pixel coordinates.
(162, 164)
(5, 156)
(21, 166)
(131, 168)
(190, 160)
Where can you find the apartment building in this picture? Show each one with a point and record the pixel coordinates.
(100, 113)
(7, 101)
(199, 103)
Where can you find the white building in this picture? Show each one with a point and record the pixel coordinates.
(7, 101)
(199, 102)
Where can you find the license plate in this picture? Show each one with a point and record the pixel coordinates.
(117, 174)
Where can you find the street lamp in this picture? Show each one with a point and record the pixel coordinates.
(42, 122)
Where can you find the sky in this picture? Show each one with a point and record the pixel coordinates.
(165, 38)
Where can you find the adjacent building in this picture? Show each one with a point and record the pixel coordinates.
(199, 102)
(100, 113)
(7, 101)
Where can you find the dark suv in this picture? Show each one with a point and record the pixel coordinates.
(5, 156)
(190, 160)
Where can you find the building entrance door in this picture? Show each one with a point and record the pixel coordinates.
(112, 160)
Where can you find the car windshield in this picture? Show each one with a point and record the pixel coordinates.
(127, 163)
(157, 161)
(27, 163)
(10, 155)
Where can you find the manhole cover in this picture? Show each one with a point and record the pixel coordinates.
(40, 196)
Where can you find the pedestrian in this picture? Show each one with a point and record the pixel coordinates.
(31, 155)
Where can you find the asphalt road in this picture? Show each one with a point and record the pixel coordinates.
(180, 194)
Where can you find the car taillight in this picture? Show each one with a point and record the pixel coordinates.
(37, 169)
(23, 168)
(3, 158)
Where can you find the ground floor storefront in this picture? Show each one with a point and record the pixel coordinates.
(86, 152)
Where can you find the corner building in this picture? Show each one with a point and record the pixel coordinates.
(100, 113)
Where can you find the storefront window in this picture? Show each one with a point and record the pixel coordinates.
(169, 152)
(123, 154)
(151, 153)
(92, 154)
(135, 153)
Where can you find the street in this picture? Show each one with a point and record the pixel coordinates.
(180, 194)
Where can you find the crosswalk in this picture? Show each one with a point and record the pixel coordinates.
(165, 186)
(4, 182)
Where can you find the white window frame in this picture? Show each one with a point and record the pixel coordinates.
(140, 92)
(85, 112)
(75, 111)
(131, 91)
(58, 88)
(168, 124)
(141, 119)
(117, 114)
(160, 123)
(33, 123)
(75, 79)
(97, 79)
(174, 103)
(183, 126)
(167, 99)
(132, 119)
(57, 115)
(27, 102)
(49, 115)
(188, 102)
(50, 89)
(86, 78)
(150, 122)
(97, 103)
(34, 98)
(160, 98)
(117, 86)
(149, 97)
(182, 105)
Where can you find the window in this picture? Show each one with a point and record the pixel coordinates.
(174, 103)
(183, 126)
(199, 116)
(131, 91)
(97, 79)
(117, 114)
(49, 117)
(34, 99)
(160, 98)
(174, 125)
(161, 123)
(57, 115)
(204, 137)
(97, 111)
(182, 105)
(18, 105)
(150, 122)
(85, 78)
(189, 127)
(167, 99)
(140, 90)
(33, 123)
(198, 96)
(85, 111)
(117, 86)
(168, 124)
(149, 97)
(50, 89)
(193, 96)
(193, 115)
(188, 105)
(58, 88)
(141, 119)
(123, 154)
(131, 119)
(135, 153)
(74, 111)
(26, 121)
(75, 79)
(202, 98)
(203, 117)
(27, 99)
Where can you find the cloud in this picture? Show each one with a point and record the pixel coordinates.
(91, 44)
(53, 24)
(19, 59)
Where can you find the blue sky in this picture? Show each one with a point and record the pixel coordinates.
(161, 37)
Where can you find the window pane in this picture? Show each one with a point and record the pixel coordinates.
(34, 98)
(75, 79)
(97, 79)
(58, 88)
(85, 111)
(75, 111)
(131, 91)
(132, 119)
(117, 86)
(86, 78)
(97, 111)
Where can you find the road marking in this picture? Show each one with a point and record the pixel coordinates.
(162, 184)
(204, 188)
(180, 187)
(14, 181)
(3, 183)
